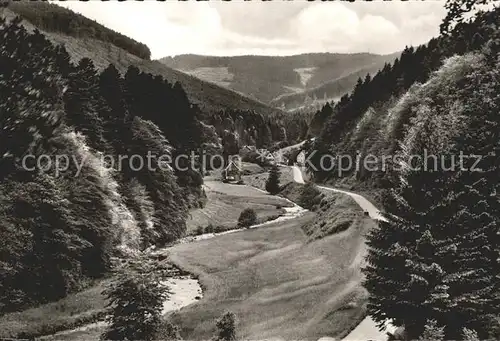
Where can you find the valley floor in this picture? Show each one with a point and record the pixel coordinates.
(274, 280)
(278, 282)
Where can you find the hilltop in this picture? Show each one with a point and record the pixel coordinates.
(332, 90)
(271, 79)
(113, 50)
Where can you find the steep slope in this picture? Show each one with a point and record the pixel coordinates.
(213, 101)
(331, 90)
(268, 78)
(70, 203)
(379, 113)
(207, 95)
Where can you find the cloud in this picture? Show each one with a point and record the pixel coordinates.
(274, 28)
(334, 27)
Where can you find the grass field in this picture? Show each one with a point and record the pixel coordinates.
(223, 208)
(277, 282)
(259, 179)
(73, 310)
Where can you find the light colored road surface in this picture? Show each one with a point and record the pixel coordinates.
(367, 329)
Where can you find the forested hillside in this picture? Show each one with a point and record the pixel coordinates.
(105, 48)
(314, 98)
(271, 78)
(53, 18)
(374, 117)
(72, 93)
(61, 226)
(433, 116)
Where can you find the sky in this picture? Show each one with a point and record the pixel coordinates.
(227, 28)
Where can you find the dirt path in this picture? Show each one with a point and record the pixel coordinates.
(186, 290)
(367, 329)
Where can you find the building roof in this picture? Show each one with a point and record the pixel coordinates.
(232, 163)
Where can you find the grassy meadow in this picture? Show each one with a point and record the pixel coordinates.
(277, 281)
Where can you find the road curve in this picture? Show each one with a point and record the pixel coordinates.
(367, 329)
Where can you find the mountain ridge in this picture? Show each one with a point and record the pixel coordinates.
(211, 96)
(270, 78)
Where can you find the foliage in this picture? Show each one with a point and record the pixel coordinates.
(54, 18)
(169, 331)
(362, 122)
(226, 328)
(135, 304)
(247, 218)
(435, 256)
(310, 196)
(456, 10)
(62, 227)
(432, 332)
(273, 181)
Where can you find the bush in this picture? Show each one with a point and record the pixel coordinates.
(54, 18)
(247, 218)
(310, 196)
(226, 327)
(218, 229)
(209, 229)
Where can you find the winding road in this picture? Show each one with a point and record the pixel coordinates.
(186, 291)
(367, 329)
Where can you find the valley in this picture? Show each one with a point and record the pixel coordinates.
(304, 82)
(257, 272)
(339, 205)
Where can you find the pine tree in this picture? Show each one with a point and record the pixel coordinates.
(273, 181)
(83, 102)
(135, 304)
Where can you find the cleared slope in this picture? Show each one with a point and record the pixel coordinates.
(268, 77)
(331, 90)
(206, 95)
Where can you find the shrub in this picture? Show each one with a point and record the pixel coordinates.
(226, 327)
(310, 196)
(219, 228)
(169, 331)
(247, 218)
(209, 229)
(469, 335)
